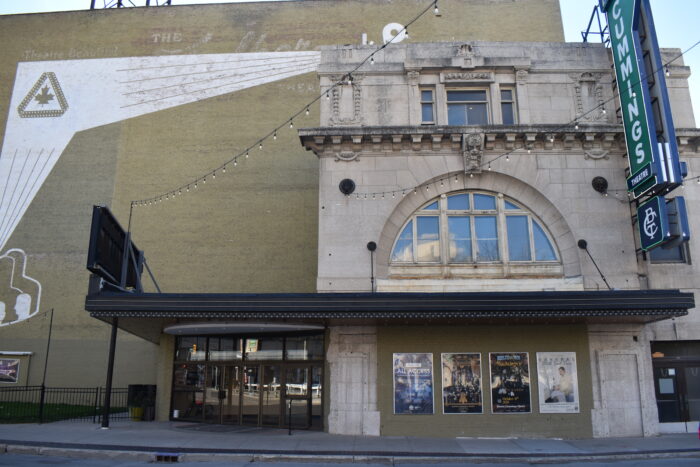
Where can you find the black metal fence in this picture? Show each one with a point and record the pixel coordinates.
(38, 404)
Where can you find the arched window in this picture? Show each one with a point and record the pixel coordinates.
(473, 227)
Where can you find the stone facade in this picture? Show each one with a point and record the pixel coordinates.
(565, 134)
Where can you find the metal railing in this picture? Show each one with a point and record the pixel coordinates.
(40, 404)
(127, 3)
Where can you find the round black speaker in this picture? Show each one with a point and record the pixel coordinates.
(600, 184)
(346, 186)
(371, 246)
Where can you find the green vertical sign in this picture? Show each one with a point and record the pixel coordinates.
(630, 80)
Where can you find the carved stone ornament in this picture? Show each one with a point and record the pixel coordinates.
(521, 76)
(346, 101)
(473, 151)
(596, 154)
(467, 76)
(588, 97)
(413, 77)
(347, 156)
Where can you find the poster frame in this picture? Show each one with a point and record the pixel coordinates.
(17, 363)
(397, 356)
(568, 407)
(481, 383)
(529, 386)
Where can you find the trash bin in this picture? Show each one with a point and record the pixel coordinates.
(142, 396)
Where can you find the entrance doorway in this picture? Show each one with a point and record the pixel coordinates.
(677, 385)
(247, 391)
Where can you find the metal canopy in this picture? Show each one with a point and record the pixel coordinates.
(610, 306)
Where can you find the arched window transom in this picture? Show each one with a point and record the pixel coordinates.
(473, 227)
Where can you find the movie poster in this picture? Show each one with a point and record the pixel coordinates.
(510, 382)
(461, 383)
(9, 370)
(558, 382)
(413, 383)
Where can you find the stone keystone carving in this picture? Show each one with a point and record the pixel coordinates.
(473, 151)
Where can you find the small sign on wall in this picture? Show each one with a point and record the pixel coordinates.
(9, 370)
(413, 383)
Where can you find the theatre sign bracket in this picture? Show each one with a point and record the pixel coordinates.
(654, 164)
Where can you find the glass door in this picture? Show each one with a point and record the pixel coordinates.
(250, 400)
(677, 392)
(298, 402)
(271, 410)
(231, 404)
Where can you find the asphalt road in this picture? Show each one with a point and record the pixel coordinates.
(16, 460)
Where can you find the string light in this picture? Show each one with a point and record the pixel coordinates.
(436, 10)
(507, 158)
(235, 162)
(274, 136)
(291, 124)
(328, 96)
(576, 125)
(668, 73)
(307, 112)
(349, 79)
(371, 60)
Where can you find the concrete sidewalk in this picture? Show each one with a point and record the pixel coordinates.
(188, 442)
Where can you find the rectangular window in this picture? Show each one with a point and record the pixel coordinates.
(671, 255)
(467, 107)
(428, 241)
(518, 238)
(427, 105)
(486, 238)
(460, 239)
(508, 106)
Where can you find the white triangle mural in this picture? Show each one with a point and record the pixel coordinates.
(53, 100)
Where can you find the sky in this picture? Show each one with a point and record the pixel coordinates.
(675, 20)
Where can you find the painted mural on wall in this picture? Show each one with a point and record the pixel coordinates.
(510, 382)
(51, 101)
(413, 383)
(20, 295)
(461, 383)
(557, 380)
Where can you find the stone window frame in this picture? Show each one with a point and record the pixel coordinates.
(513, 101)
(502, 233)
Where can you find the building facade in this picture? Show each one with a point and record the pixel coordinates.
(406, 253)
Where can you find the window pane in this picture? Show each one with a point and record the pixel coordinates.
(456, 114)
(428, 245)
(267, 348)
(466, 96)
(460, 239)
(507, 112)
(304, 348)
(477, 114)
(191, 348)
(460, 202)
(431, 206)
(543, 249)
(224, 348)
(484, 202)
(426, 96)
(518, 238)
(667, 255)
(506, 95)
(427, 112)
(511, 206)
(486, 238)
(403, 251)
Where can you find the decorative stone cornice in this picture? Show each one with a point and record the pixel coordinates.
(592, 140)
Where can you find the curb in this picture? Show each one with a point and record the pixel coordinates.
(153, 455)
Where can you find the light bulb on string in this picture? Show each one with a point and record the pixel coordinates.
(179, 192)
(260, 146)
(235, 162)
(471, 175)
(204, 180)
(246, 154)
(442, 183)
(403, 193)
(224, 169)
(698, 180)
(529, 150)
(489, 167)
(274, 135)
(576, 125)
(291, 124)
(393, 195)
(349, 79)
(668, 73)
(213, 175)
(188, 188)
(456, 178)
(371, 60)
(507, 158)
(436, 10)
(328, 96)
(427, 187)
(415, 191)
(604, 111)
(382, 195)
(307, 111)
(195, 185)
